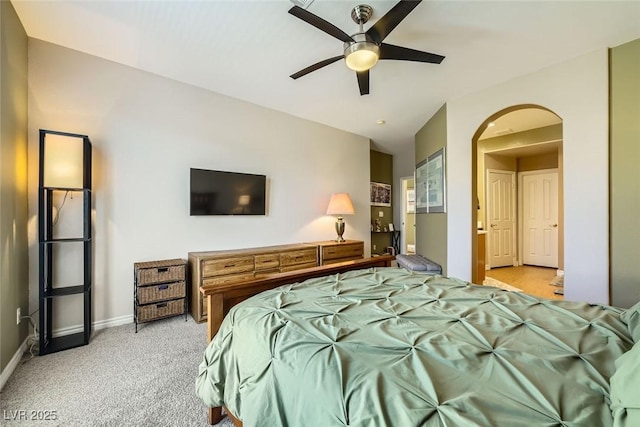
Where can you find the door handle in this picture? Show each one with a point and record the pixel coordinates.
(494, 225)
(554, 225)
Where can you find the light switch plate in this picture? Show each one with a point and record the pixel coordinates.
(380, 214)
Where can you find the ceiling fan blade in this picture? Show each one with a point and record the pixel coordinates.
(389, 51)
(388, 22)
(363, 82)
(320, 23)
(315, 66)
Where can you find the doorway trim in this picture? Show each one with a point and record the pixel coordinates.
(405, 228)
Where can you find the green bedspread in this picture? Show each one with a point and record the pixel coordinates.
(386, 347)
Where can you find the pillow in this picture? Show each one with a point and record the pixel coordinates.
(625, 389)
(631, 317)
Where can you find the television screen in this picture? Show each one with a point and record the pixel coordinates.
(226, 193)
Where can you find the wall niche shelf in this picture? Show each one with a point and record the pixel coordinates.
(64, 173)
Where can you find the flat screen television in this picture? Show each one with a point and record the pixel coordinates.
(226, 193)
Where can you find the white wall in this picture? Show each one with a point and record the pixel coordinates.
(147, 131)
(576, 90)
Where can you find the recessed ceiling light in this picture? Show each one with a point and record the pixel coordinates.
(380, 122)
(491, 124)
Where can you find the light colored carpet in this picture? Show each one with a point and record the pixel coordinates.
(119, 379)
(490, 281)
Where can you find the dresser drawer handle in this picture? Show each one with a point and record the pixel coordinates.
(161, 305)
(163, 270)
(229, 265)
(163, 287)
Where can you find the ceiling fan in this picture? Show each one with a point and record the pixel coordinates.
(362, 50)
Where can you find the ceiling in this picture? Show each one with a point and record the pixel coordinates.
(248, 49)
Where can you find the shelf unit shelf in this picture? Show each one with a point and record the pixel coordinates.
(51, 246)
(66, 342)
(67, 290)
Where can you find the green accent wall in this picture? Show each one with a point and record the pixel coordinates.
(381, 166)
(431, 228)
(625, 174)
(14, 262)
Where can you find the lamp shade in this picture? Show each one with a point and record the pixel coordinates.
(63, 161)
(340, 204)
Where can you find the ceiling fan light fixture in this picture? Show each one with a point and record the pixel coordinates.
(361, 56)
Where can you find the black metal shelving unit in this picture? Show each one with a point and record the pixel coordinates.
(51, 292)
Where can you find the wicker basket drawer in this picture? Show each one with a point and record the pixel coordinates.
(223, 266)
(160, 310)
(232, 278)
(267, 261)
(147, 294)
(155, 272)
(302, 256)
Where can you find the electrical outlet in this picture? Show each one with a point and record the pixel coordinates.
(374, 247)
(18, 316)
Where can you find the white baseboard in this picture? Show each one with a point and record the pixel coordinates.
(13, 363)
(100, 324)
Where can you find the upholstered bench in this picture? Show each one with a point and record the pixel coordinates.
(418, 263)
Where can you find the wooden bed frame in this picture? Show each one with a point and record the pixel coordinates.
(224, 296)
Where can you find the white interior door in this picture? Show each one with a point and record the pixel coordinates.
(407, 224)
(540, 218)
(501, 220)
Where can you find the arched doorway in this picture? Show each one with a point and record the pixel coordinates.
(517, 186)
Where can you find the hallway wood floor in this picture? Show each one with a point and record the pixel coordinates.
(532, 280)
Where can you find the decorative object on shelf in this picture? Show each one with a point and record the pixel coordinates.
(430, 184)
(380, 194)
(340, 204)
(378, 225)
(64, 169)
(391, 228)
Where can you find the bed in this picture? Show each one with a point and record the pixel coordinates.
(385, 346)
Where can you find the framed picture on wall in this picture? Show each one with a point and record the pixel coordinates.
(421, 191)
(380, 194)
(430, 184)
(436, 187)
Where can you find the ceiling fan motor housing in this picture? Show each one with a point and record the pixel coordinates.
(361, 14)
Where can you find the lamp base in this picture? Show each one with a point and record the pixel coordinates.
(340, 229)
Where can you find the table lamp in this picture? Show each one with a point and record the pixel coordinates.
(340, 204)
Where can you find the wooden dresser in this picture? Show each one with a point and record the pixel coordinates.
(330, 251)
(240, 265)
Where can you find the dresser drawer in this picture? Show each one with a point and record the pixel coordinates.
(224, 266)
(302, 256)
(298, 266)
(231, 278)
(267, 261)
(348, 251)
